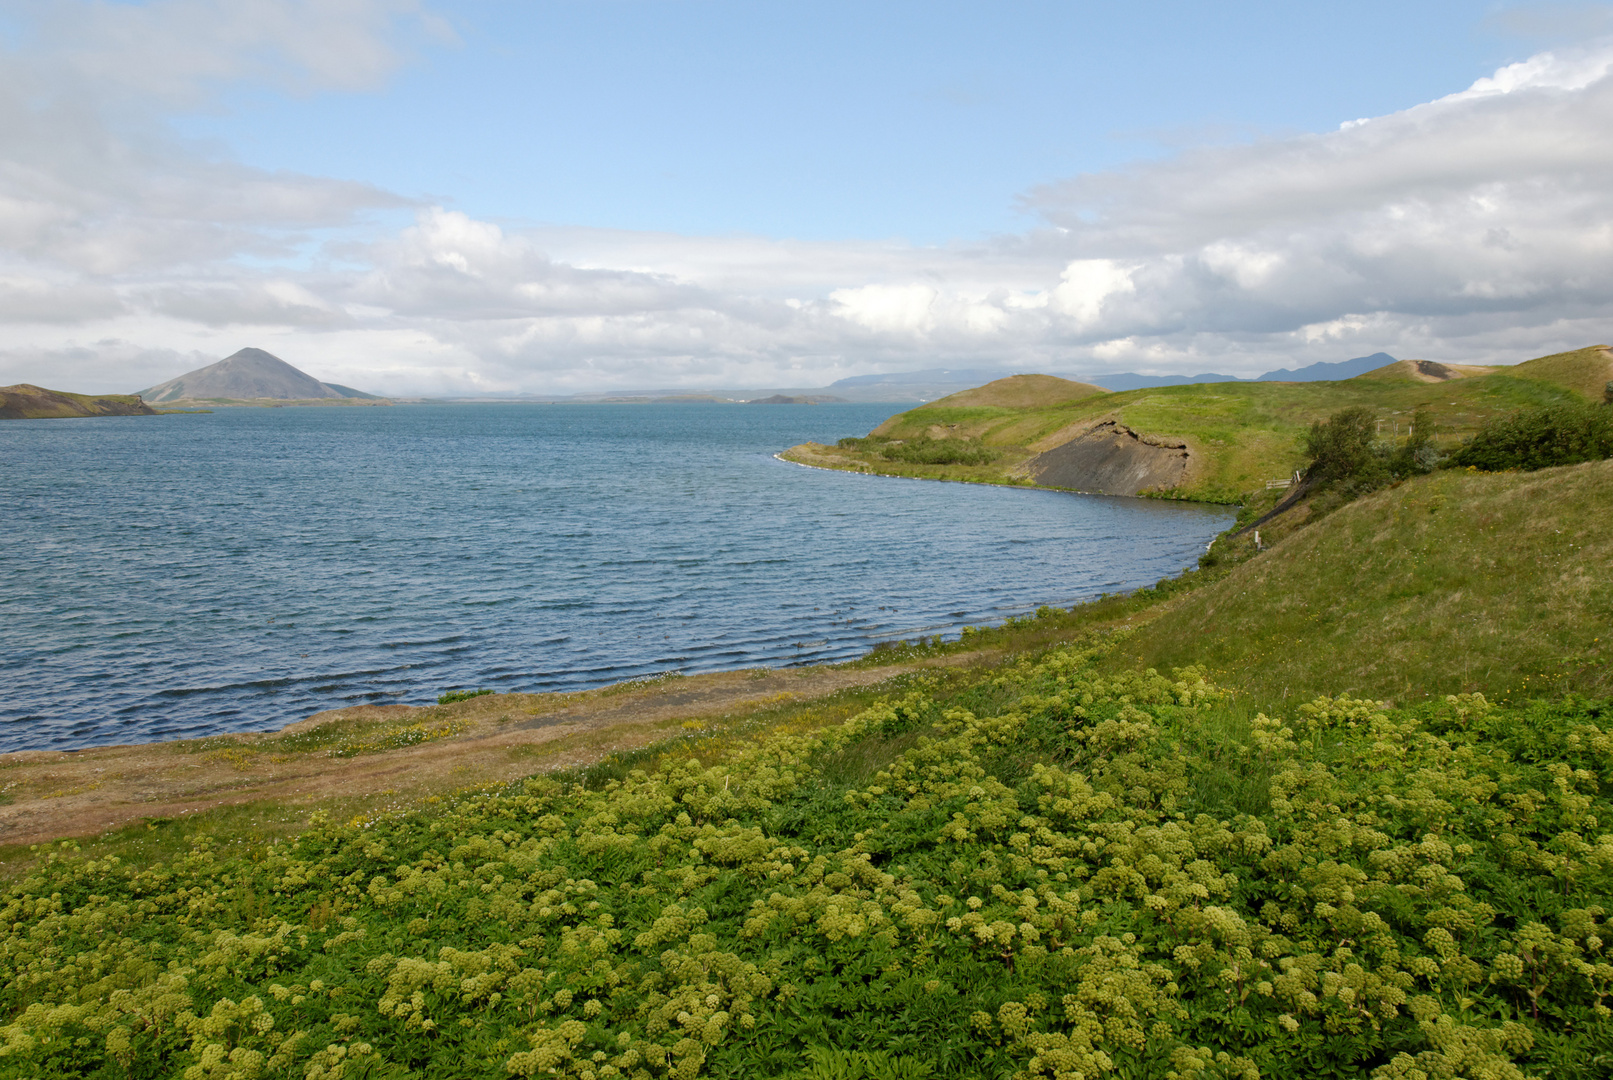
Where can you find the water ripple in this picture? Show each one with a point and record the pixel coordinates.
(187, 575)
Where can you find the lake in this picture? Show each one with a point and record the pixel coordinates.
(186, 575)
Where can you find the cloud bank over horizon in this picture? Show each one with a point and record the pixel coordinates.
(1473, 228)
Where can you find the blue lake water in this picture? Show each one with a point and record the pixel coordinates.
(176, 576)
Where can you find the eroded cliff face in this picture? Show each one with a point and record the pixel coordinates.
(1112, 459)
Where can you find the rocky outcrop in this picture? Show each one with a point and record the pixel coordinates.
(1112, 459)
(28, 402)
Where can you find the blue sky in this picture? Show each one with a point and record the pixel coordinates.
(478, 197)
(833, 121)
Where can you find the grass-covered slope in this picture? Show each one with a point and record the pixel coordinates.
(27, 402)
(1021, 392)
(1239, 435)
(1585, 371)
(1425, 371)
(1453, 582)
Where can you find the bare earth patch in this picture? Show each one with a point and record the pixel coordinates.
(412, 752)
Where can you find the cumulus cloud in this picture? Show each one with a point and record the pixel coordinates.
(1488, 202)
(1475, 227)
(92, 182)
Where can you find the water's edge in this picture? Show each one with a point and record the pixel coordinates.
(244, 570)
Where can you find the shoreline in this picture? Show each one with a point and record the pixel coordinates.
(1028, 485)
(376, 753)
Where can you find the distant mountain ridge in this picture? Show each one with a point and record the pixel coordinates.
(1343, 369)
(1324, 371)
(942, 381)
(249, 375)
(933, 376)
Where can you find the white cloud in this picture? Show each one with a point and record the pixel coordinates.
(1418, 230)
(1087, 284)
(179, 50)
(1475, 227)
(271, 302)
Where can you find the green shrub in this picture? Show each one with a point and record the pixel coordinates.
(923, 450)
(1347, 458)
(1341, 449)
(452, 696)
(1540, 438)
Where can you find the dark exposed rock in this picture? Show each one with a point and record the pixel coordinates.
(1113, 459)
(1434, 370)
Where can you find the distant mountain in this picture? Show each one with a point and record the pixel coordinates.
(936, 382)
(248, 375)
(1320, 372)
(1343, 369)
(929, 376)
(349, 392)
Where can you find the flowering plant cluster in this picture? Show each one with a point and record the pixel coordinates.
(1047, 870)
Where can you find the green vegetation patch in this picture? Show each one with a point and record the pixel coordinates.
(1452, 582)
(451, 696)
(1243, 435)
(923, 450)
(350, 738)
(1051, 871)
(1564, 434)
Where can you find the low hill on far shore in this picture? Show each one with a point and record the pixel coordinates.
(1021, 392)
(1207, 441)
(252, 377)
(28, 402)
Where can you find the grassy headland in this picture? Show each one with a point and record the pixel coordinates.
(1021, 854)
(1237, 436)
(28, 402)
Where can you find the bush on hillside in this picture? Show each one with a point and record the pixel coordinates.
(924, 450)
(452, 696)
(928, 451)
(1540, 438)
(1347, 455)
(1341, 448)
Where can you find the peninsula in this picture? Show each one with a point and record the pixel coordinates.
(28, 402)
(1212, 442)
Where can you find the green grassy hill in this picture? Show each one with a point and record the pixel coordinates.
(1020, 392)
(1238, 435)
(1450, 583)
(1585, 371)
(27, 402)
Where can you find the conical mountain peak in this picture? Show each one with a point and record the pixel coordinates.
(247, 375)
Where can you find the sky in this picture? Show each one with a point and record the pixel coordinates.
(482, 198)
